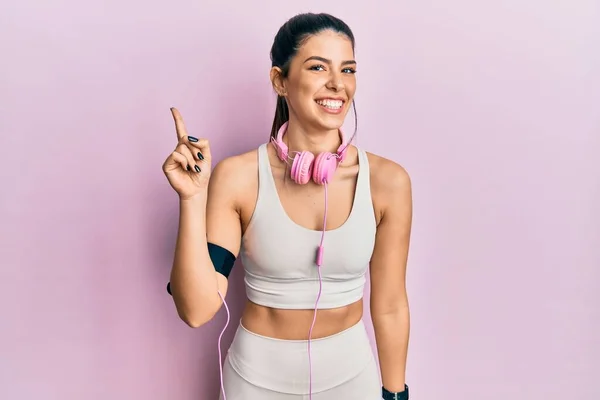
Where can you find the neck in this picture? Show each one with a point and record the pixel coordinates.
(303, 138)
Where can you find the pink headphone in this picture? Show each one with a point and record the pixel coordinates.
(305, 165)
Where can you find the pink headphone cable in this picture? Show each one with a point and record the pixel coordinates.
(220, 336)
(319, 261)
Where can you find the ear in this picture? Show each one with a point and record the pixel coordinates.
(278, 81)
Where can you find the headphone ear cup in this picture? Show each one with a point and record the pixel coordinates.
(302, 167)
(324, 168)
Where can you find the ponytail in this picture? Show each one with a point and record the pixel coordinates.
(282, 115)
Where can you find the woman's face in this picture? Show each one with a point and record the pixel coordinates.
(321, 82)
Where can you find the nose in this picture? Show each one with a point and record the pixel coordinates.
(335, 83)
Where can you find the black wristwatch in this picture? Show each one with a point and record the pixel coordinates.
(387, 395)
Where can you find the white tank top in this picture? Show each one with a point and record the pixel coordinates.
(278, 255)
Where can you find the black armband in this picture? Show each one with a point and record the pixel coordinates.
(221, 258)
(387, 395)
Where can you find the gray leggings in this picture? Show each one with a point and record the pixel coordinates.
(262, 368)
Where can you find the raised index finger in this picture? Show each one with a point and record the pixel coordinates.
(179, 125)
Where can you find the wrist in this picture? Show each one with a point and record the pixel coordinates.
(196, 199)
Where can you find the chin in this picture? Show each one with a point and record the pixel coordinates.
(331, 119)
(332, 124)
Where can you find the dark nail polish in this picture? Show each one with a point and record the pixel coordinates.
(200, 156)
(192, 139)
(197, 168)
(188, 168)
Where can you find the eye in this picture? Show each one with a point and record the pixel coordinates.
(320, 67)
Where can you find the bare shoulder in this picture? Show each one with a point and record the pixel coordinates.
(235, 168)
(390, 183)
(234, 174)
(387, 174)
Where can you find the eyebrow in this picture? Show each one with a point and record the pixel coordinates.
(325, 60)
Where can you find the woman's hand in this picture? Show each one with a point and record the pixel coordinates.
(188, 167)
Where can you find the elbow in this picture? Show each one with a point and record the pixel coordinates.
(193, 315)
(389, 305)
(194, 323)
(200, 318)
(391, 321)
(390, 311)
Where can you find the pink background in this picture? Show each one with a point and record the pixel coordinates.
(493, 108)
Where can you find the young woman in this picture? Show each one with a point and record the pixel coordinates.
(307, 213)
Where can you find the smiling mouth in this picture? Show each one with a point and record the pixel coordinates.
(330, 104)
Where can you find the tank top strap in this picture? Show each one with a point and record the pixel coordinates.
(263, 167)
(363, 183)
(267, 192)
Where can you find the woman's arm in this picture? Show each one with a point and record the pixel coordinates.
(389, 300)
(211, 216)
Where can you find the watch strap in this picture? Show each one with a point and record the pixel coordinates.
(387, 395)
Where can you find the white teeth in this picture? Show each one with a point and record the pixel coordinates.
(333, 104)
